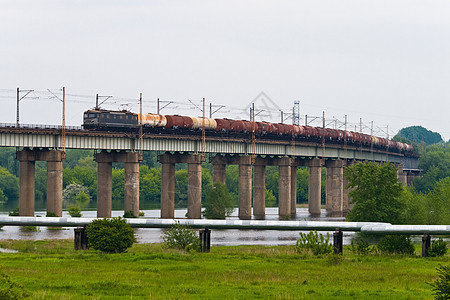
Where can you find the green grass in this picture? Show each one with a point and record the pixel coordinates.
(53, 270)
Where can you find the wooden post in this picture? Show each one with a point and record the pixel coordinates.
(80, 241)
(338, 241)
(426, 242)
(205, 239)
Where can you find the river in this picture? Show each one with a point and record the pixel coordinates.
(226, 237)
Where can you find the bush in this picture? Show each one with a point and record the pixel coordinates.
(129, 214)
(74, 211)
(181, 237)
(141, 214)
(14, 212)
(437, 248)
(10, 290)
(315, 242)
(361, 247)
(51, 214)
(110, 235)
(396, 244)
(441, 286)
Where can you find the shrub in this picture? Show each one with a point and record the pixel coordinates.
(437, 248)
(141, 214)
(181, 237)
(10, 290)
(51, 214)
(361, 247)
(129, 214)
(396, 244)
(441, 286)
(315, 242)
(110, 235)
(74, 211)
(14, 212)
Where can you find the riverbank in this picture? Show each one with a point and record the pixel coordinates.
(51, 269)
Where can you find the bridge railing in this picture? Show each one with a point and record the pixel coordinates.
(38, 126)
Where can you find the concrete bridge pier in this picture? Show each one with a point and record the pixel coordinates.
(335, 187)
(219, 170)
(314, 186)
(284, 187)
(195, 186)
(245, 187)
(104, 188)
(27, 159)
(55, 184)
(293, 191)
(259, 189)
(194, 191)
(26, 187)
(167, 188)
(131, 184)
(402, 176)
(104, 182)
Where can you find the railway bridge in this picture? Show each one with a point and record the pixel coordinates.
(252, 155)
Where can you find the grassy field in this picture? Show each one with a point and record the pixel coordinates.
(53, 270)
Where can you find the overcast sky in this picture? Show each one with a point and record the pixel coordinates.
(382, 61)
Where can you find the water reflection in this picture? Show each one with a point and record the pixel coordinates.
(153, 235)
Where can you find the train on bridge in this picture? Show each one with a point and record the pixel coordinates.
(126, 121)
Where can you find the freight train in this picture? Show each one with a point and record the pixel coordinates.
(125, 121)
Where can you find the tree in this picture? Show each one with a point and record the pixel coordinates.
(232, 182)
(149, 187)
(439, 202)
(76, 194)
(435, 164)
(118, 191)
(9, 184)
(419, 134)
(73, 157)
(271, 200)
(219, 203)
(375, 193)
(3, 199)
(302, 185)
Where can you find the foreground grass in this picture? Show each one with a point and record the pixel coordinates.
(51, 269)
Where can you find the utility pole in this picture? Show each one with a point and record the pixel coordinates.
(18, 100)
(97, 105)
(203, 131)
(296, 113)
(141, 136)
(64, 120)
